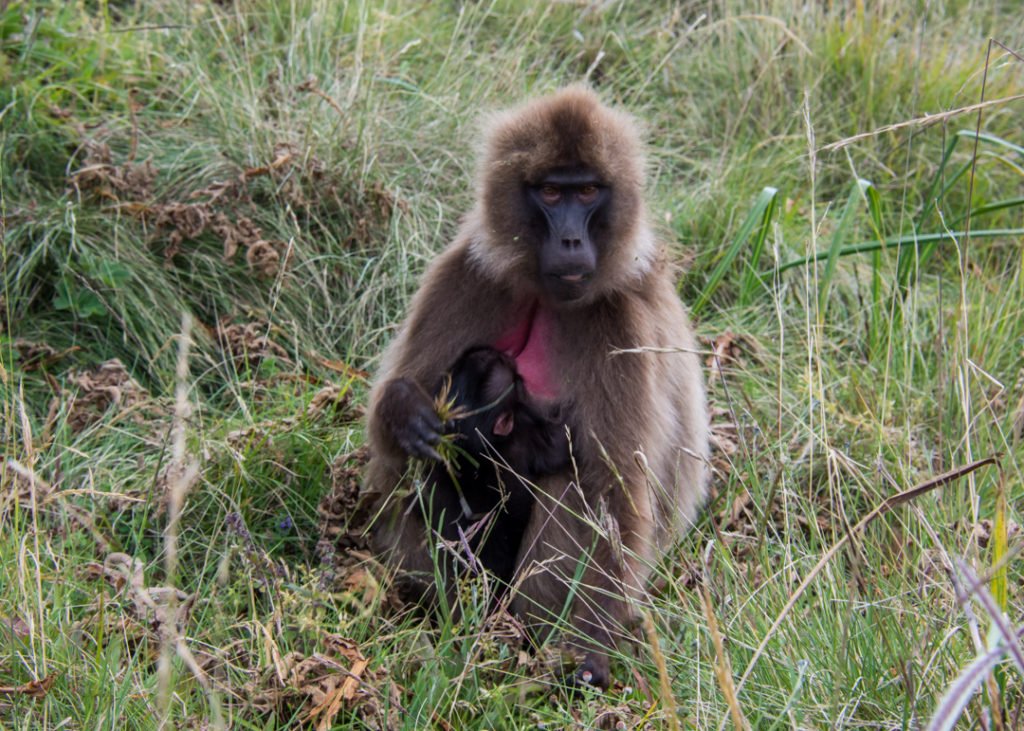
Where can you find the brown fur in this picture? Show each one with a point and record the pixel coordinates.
(638, 421)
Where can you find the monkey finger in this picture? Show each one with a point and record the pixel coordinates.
(428, 428)
(422, 450)
(430, 453)
(421, 439)
(416, 444)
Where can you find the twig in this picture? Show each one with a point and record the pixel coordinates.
(925, 121)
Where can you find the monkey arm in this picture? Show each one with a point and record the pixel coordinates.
(455, 308)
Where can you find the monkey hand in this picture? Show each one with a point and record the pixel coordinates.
(408, 413)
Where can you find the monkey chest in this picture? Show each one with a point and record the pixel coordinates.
(530, 341)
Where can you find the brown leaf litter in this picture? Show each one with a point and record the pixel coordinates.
(981, 532)
(100, 176)
(249, 344)
(224, 208)
(326, 683)
(33, 689)
(343, 511)
(346, 564)
(188, 221)
(22, 486)
(108, 386)
(148, 617)
(212, 209)
(34, 356)
(728, 350)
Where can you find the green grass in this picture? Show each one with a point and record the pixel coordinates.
(153, 155)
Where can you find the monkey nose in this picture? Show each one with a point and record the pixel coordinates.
(572, 243)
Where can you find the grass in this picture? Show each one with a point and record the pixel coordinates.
(282, 172)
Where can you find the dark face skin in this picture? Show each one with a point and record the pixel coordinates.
(569, 204)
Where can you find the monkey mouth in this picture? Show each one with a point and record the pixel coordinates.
(573, 277)
(569, 286)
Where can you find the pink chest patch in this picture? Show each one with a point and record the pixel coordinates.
(528, 343)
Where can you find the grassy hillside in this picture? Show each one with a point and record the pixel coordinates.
(213, 216)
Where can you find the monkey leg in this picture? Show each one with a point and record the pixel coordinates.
(400, 537)
(569, 568)
(427, 566)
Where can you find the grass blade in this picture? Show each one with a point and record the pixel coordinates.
(857, 191)
(898, 241)
(759, 217)
(914, 257)
(951, 706)
(751, 281)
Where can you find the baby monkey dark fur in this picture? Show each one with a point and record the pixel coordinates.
(504, 440)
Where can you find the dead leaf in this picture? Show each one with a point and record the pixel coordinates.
(330, 397)
(34, 689)
(108, 386)
(981, 531)
(282, 157)
(249, 343)
(343, 510)
(32, 355)
(329, 682)
(344, 368)
(99, 175)
(727, 349)
(337, 699)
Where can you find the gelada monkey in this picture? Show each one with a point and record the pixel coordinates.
(557, 267)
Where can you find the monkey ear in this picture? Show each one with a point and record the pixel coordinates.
(503, 424)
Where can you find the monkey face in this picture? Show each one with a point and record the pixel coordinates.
(561, 209)
(486, 384)
(502, 416)
(566, 204)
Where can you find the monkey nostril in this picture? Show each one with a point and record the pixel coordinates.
(571, 243)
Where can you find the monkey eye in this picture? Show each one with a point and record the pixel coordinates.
(550, 194)
(588, 193)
